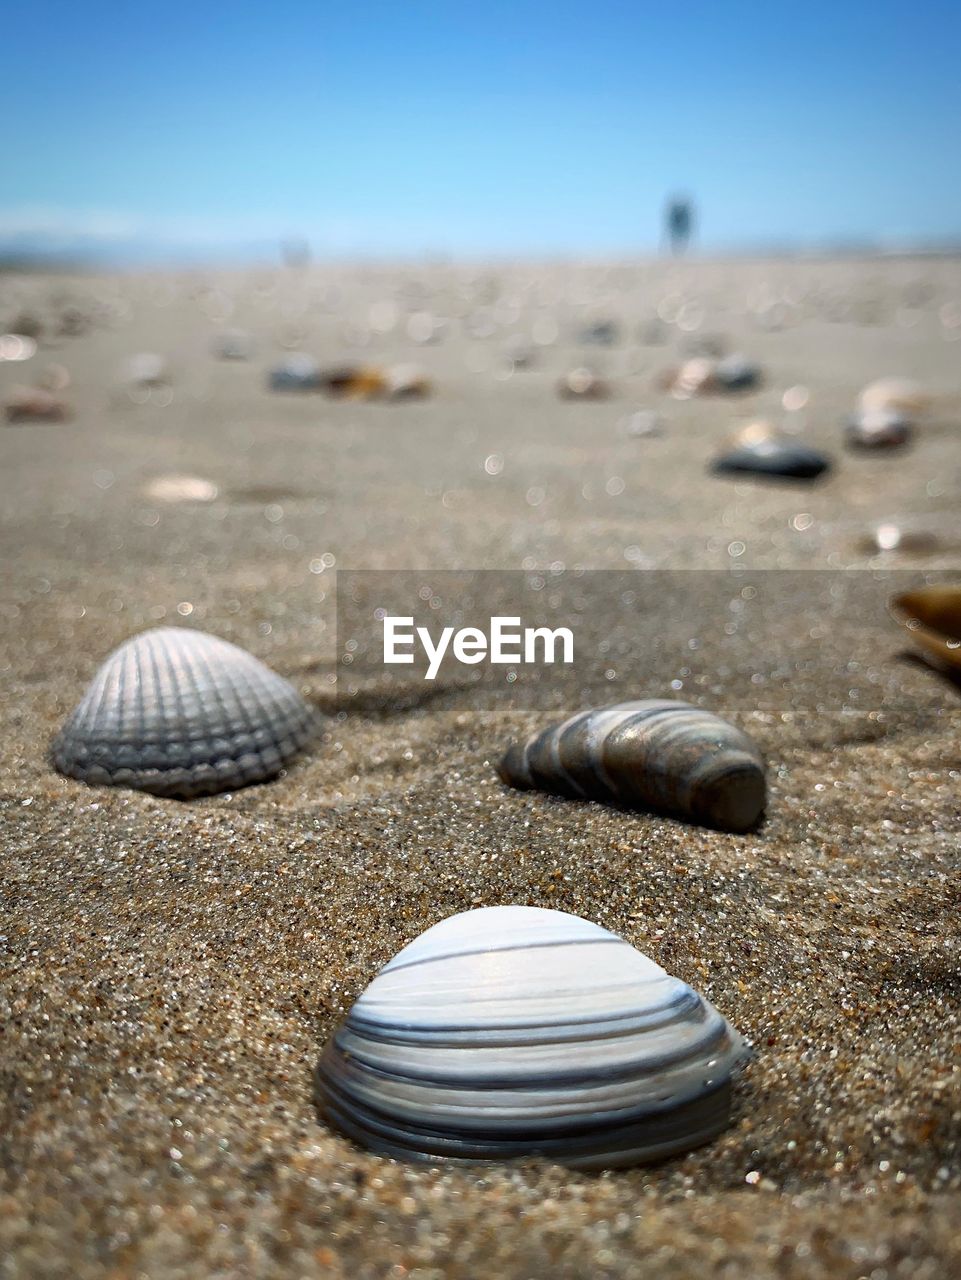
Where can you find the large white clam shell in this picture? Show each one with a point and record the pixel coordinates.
(515, 1031)
(182, 713)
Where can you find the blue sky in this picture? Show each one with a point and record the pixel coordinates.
(535, 128)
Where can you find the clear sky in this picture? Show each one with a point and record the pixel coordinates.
(535, 127)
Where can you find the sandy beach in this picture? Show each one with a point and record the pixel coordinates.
(171, 971)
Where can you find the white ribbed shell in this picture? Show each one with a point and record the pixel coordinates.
(182, 713)
(515, 1031)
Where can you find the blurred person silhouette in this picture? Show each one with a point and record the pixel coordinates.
(295, 251)
(678, 223)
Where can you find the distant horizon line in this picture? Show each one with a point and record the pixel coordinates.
(271, 254)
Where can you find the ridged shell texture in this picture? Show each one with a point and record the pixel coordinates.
(182, 713)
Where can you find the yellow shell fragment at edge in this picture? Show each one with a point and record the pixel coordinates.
(932, 616)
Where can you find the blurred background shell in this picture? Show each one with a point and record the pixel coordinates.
(600, 333)
(146, 369)
(657, 754)
(176, 488)
(641, 424)
(736, 373)
(759, 449)
(17, 347)
(232, 344)
(582, 384)
(182, 713)
(902, 395)
(706, 375)
(890, 538)
(354, 382)
(296, 372)
(406, 382)
(34, 404)
(878, 429)
(515, 1031)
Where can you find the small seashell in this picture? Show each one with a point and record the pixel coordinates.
(891, 538)
(878, 429)
(760, 450)
(232, 344)
(296, 372)
(147, 370)
(354, 383)
(654, 754)
(182, 713)
(601, 333)
(514, 1031)
(17, 346)
(582, 384)
(642, 424)
(899, 395)
(33, 404)
(736, 373)
(704, 375)
(366, 382)
(405, 382)
(693, 377)
(177, 488)
(932, 616)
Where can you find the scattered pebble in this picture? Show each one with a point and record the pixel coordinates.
(878, 429)
(642, 424)
(582, 384)
(232, 344)
(895, 395)
(180, 488)
(297, 372)
(760, 450)
(34, 404)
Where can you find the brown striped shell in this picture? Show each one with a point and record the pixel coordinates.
(654, 754)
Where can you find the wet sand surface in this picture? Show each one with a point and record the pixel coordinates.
(170, 971)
